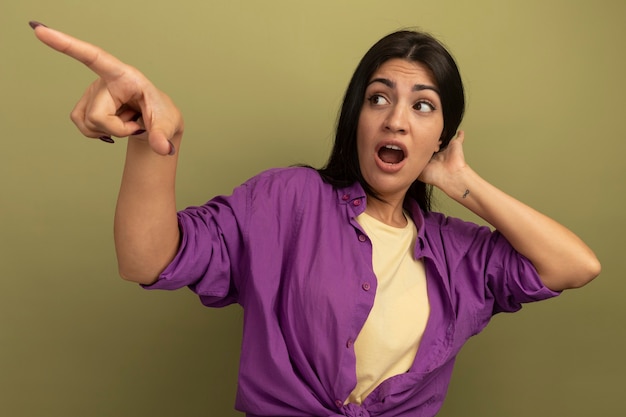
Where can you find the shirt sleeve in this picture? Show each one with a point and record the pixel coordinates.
(210, 251)
(487, 275)
(511, 279)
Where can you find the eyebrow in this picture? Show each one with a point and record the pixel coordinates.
(416, 87)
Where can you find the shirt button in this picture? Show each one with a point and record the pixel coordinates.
(362, 238)
(366, 286)
(346, 197)
(356, 203)
(339, 403)
(349, 343)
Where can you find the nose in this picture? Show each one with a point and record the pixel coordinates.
(396, 120)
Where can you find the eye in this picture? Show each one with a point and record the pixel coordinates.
(424, 106)
(377, 100)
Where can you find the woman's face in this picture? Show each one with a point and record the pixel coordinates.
(399, 127)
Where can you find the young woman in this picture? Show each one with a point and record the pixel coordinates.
(357, 297)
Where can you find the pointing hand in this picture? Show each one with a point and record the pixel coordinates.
(122, 101)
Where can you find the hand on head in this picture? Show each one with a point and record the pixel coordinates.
(122, 101)
(446, 163)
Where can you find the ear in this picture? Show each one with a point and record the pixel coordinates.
(438, 147)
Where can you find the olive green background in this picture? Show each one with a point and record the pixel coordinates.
(259, 84)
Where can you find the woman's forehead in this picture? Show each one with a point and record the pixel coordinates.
(398, 70)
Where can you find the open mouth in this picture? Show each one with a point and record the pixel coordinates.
(391, 154)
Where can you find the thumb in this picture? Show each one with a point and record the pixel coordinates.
(162, 132)
(163, 121)
(161, 143)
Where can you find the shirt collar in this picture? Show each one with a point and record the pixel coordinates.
(411, 206)
(354, 196)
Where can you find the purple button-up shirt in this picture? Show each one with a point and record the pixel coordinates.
(287, 248)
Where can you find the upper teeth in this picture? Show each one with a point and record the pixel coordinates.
(394, 147)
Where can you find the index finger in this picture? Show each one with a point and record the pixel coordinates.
(95, 58)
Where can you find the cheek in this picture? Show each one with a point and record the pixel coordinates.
(437, 136)
(368, 121)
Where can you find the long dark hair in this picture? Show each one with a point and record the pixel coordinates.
(342, 168)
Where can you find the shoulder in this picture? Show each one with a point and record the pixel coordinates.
(287, 185)
(455, 232)
(293, 176)
(450, 224)
(283, 180)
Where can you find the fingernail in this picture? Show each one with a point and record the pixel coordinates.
(172, 149)
(34, 24)
(139, 132)
(106, 139)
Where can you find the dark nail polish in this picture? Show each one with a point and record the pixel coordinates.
(106, 139)
(172, 149)
(139, 132)
(34, 24)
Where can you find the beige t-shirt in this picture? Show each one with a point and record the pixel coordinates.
(388, 342)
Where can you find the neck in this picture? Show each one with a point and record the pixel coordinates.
(388, 212)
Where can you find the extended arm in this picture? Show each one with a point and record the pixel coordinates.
(560, 257)
(146, 227)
